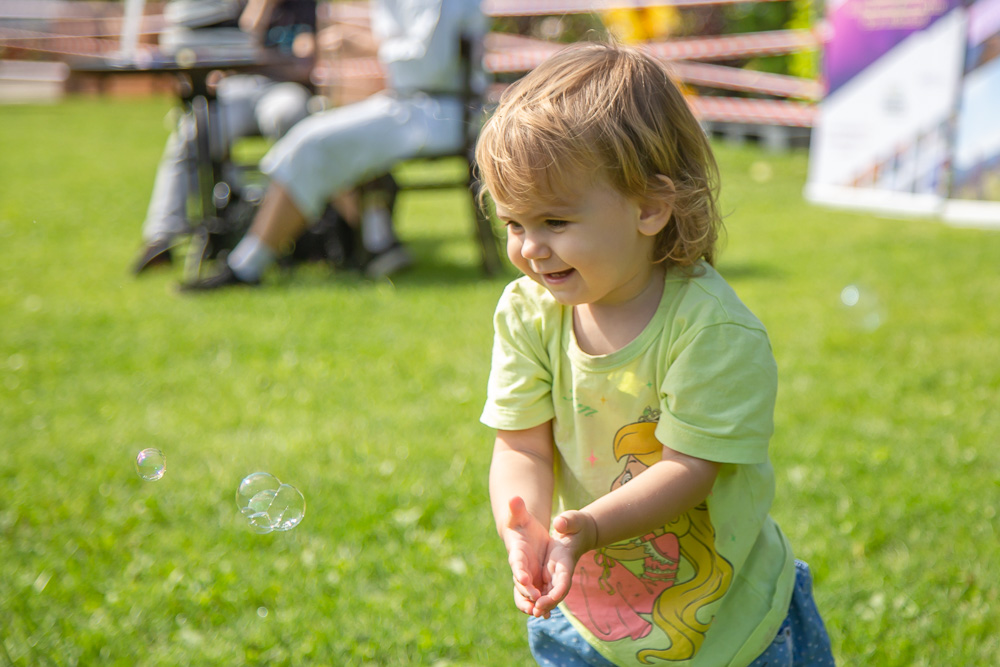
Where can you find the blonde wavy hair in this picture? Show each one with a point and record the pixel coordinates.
(611, 111)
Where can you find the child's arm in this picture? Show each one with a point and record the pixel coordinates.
(650, 500)
(521, 496)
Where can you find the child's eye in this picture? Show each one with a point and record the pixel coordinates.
(556, 224)
(514, 227)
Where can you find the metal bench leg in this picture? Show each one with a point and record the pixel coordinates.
(197, 252)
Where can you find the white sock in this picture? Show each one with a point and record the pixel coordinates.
(250, 258)
(376, 227)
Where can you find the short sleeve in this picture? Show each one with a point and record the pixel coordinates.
(519, 393)
(718, 393)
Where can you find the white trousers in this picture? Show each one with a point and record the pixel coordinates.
(247, 105)
(332, 151)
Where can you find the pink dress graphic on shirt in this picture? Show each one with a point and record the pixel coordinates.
(628, 588)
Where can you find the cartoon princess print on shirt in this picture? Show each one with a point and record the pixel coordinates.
(637, 580)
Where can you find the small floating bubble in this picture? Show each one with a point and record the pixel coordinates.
(150, 464)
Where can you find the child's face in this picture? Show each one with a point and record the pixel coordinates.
(591, 245)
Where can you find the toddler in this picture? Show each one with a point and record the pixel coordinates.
(632, 392)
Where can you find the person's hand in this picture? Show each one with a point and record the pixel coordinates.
(304, 45)
(574, 533)
(254, 17)
(527, 543)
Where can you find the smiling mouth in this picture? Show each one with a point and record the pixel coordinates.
(557, 275)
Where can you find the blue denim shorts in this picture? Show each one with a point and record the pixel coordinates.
(801, 641)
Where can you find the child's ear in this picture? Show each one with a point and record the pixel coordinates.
(657, 206)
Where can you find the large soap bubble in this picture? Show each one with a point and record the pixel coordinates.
(268, 504)
(252, 485)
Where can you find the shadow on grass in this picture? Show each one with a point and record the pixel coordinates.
(432, 268)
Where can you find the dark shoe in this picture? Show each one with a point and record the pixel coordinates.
(393, 260)
(224, 277)
(156, 253)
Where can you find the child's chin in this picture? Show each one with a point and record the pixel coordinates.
(557, 294)
(564, 299)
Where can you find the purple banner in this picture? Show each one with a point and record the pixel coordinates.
(864, 30)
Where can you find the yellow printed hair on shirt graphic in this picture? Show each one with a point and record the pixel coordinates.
(675, 610)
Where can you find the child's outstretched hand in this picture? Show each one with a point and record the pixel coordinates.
(527, 543)
(574, 533)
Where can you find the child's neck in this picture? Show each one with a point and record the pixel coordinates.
(607, 328)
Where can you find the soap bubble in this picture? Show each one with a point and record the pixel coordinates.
(287, 508)
(251, 486)
(260, 523)
(150, 464)
(268, 504)
(863, 307)
(261, 502)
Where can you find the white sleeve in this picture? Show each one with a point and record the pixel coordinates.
(405, 28)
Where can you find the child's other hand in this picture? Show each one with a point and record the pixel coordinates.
(574, 533)
(527, 543)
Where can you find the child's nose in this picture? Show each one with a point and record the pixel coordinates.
(533, 247)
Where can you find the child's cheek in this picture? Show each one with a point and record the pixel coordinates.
(515, 257)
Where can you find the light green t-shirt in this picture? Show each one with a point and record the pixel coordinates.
(712, 587)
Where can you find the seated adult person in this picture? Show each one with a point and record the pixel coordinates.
(266, 104)
(329, 153)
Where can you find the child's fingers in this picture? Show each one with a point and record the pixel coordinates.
(558, 577)
(524, 585)
(523, 603)
(518, 512)
(576, 530)
(561, 580)
(564, 524)
(570, 522)
(544, 605)
(550, 599)
(546, 578)
(524, 577)
(521, 566)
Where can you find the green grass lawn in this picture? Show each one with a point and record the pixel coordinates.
(366, 397)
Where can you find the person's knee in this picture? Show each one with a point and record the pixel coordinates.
(281, 108)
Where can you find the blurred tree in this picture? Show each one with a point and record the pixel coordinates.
(804, 63)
